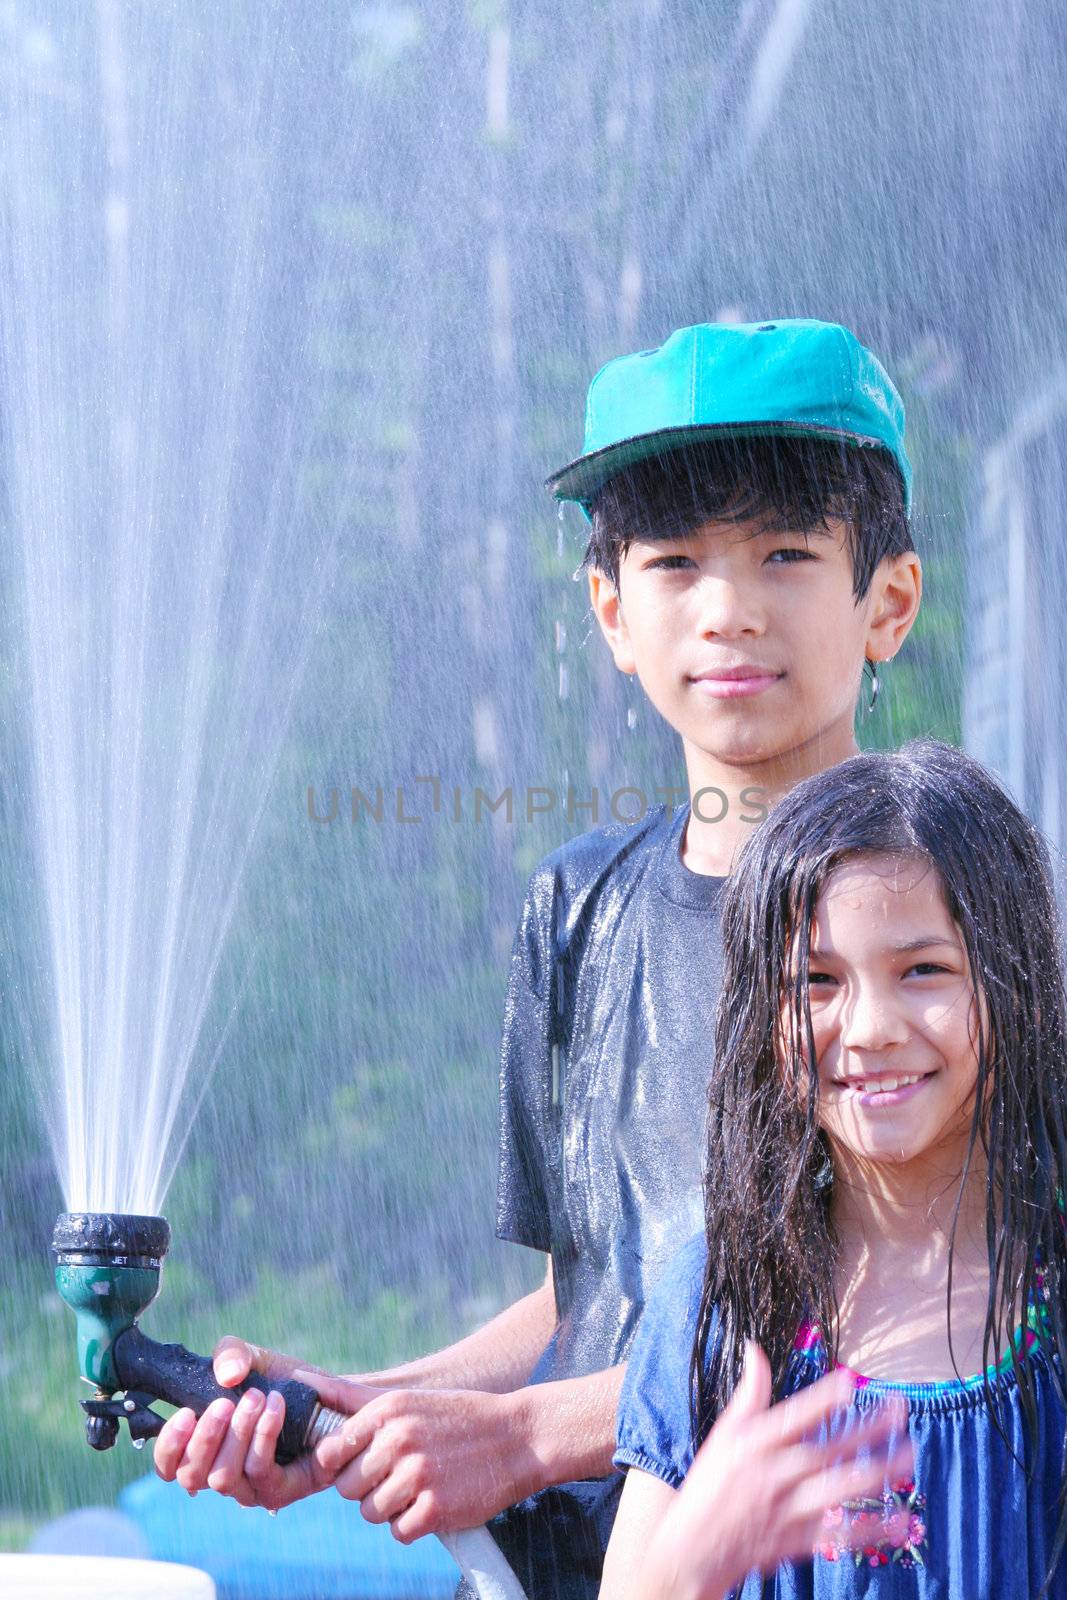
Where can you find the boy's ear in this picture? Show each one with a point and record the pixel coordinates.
(607, 608)
(896, 590)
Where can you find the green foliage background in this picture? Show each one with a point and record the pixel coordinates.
(335, 1197)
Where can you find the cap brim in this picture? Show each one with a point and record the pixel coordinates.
(583, 477)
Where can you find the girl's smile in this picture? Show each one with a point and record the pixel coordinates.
(876, 1093)
(892, 1012)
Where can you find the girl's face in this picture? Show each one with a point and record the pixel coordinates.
(893, 1011)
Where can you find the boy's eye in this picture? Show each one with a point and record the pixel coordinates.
(820, 977)
(782, 558)
(785, 557)
(668, 563)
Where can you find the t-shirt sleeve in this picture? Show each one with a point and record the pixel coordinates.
(654, 1422)
(526, 1075)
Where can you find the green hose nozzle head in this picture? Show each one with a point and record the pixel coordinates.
(107, 1270)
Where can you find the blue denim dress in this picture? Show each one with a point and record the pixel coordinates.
(978, 1518)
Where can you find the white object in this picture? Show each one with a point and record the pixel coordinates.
(483, 1565)
(100, 1578)
(475, 1551)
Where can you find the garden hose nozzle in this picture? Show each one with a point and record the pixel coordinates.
(108, 1266)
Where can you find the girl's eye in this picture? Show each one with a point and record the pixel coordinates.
(786, 557)
(923, 968)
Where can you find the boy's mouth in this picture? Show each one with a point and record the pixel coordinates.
(726, 683)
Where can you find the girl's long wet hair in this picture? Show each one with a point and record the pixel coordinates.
(770, 1234)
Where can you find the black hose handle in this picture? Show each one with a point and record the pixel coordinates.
(175, 1375)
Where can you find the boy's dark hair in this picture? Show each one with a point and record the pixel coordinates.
(782, 482)
(769, 1166)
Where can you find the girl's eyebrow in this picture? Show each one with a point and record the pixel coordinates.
(925, 941)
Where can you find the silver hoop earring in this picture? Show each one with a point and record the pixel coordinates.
(631, 700)
(875, 686)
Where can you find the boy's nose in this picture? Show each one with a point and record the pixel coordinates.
(727, 609)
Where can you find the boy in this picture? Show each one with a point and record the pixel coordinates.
(748, 491)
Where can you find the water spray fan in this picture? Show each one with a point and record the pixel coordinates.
(108, 1268)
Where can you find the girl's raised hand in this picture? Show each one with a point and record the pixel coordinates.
(759, 1488)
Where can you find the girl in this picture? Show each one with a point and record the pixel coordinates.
(887, 1152)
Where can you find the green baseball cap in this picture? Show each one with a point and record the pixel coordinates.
(790, 377)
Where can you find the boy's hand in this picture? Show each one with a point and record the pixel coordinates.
(230, 1449)
(432, 1460)
(759, 1487)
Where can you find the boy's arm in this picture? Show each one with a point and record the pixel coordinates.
(496, 1358)
(427, 1459)
(436, 1461)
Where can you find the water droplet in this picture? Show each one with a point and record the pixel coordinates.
(138, 1444)
(561, 636)
(563, 681)
(560, 525)
(631, 716)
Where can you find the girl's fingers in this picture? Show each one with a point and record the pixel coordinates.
(877, 1439)
(855, 1480)
(753, 1393)
(855, 1462)
(867, 1430)
(790, 1420)
(878, 1433)
(808, 1484)
(857, 1538)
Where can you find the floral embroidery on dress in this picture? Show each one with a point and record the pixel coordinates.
(875, 1533)
(892, 1529)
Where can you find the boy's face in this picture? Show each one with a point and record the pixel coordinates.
(751, 643)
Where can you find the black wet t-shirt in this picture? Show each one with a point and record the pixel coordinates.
(606, 1056)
